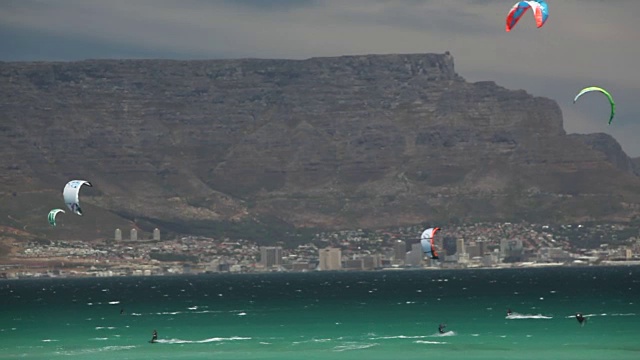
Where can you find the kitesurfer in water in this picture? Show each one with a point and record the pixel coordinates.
(581, 319)
(154, 336)
(441, 328)
(509, 312)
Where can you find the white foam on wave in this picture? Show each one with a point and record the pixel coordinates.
(95, 350)
(100, 338)
(430, 342)
(516, 316)
(448, 333)
(169, 313)
(353, 346)
(49, 340)
(192, 311)
(399, 337)
(204, 341)
(114, 302)
(603, 314)
(105, 327)
(312, 340)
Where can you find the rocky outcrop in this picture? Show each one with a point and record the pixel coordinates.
(353, 141)
(636, 164)
(607, 145)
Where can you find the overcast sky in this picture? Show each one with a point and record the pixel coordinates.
(583, 43)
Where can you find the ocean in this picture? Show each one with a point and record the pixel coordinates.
(328, 315)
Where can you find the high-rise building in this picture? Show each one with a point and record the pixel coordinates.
(270, 256)
(460, 249)
(482, 247)
(156, 234)
(414, 258)
(449, 246)
(134, 234)
(330, 259)
(473, 250)
(400, 251)
(511, 248)
(371, 262)
(118, 235)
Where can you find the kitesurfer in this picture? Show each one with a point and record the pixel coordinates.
(154, 336)
(441, 328)
(509, 312)
(581, 319)
(121, 311)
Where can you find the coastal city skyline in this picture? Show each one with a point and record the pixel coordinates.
(483, 245)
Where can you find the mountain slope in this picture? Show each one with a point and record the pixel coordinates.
(353, 141)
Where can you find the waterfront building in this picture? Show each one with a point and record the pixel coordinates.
(400, 251)
(330, 259)
(270, 256)
(414, 258)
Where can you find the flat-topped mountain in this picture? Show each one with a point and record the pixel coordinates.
(342, 142)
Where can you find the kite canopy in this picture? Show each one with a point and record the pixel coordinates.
(52, 216)
(605, 92)
(427, 242)
(71, 195)
(540, 13)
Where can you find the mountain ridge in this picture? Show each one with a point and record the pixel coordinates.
(341, 142)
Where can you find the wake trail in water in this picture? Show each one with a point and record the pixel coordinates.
(204, 341)
(601, 315)
(94, 350)
(353, 346)
(445, 334)
(516, 316)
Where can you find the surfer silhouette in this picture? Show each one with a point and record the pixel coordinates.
(121, 311)
(154, 336)
(441, 328)
(509, 312)
(581, 319)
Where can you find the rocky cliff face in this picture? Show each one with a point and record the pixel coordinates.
(610, 148)
(636, 164)
(354, 141)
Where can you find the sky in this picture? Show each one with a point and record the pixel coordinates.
(583, 43)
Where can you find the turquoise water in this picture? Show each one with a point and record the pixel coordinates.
(328, 315)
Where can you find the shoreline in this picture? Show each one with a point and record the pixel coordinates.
(429, 269)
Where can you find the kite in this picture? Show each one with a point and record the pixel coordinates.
(428, 246)
(605, 92)
(52, 216)
(540, 13)
(71, 195)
